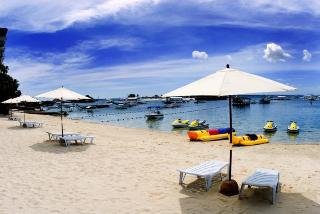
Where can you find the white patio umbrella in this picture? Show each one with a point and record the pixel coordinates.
(62, 94)
(228, 82)
(21, 99)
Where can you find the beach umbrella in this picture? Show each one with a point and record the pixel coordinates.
(229, 82)
(62, 94)
(22, 99)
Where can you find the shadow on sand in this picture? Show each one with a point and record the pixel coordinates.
(56, 147)
(254, 201)
(17, 127)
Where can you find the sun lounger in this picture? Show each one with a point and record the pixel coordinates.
(206, 170)
(263, 178)
(30, 124)
(67, 140)
(14, 118)
(56, 136)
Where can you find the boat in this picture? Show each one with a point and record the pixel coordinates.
(178, 123)
(121, 106)
(169, 100)
(209, 135)
(199, 101)
(265, 100)
(293, 127)
(270, 126)
(172, 105)
(240, 101)
(97, 106)
(154, 113)
(133, 100)
(197, 125)
(249, 140)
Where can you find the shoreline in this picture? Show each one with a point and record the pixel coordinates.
(133, 170)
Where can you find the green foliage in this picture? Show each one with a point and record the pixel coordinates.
(8, 87)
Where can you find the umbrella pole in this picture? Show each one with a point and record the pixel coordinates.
(230, 125)
(61, 117)
(229, 187)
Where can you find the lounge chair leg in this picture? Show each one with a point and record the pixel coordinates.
(241, 190)
(208, 181)
(274, 194)
(182, 175)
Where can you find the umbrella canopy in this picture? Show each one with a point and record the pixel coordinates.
(7, 101)
(63, 94)
(228, 82)
(22, 98)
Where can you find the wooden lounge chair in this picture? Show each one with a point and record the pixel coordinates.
(206, 170)
(263, 178)
(67, 140)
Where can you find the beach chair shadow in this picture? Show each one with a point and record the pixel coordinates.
(199, 185)
(57, 148)
(257, 201)
(17, 127)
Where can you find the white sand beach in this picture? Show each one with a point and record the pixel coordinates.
(134, 171)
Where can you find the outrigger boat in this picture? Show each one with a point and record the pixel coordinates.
(178, 123)
(197, 125)
(154, 113)
(293, 127)
(270, 126)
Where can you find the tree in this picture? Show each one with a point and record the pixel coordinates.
(8, 87)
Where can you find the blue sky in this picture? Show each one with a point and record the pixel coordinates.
(110, 48)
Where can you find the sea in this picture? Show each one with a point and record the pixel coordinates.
(246, 120)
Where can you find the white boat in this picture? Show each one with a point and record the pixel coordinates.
(154, 113)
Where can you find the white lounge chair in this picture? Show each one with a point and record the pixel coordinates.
(263, 178)
(67, 140)
(56, 136)
(14, 118)
(206, 170)
(29, 124)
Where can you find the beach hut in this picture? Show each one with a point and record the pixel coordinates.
(22, 99)
(62, 94)
(229, 82)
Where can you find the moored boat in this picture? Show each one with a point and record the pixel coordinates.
(154, 113)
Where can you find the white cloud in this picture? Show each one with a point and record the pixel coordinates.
(306, 55)
(229, 58)
(47, 15)
(199, 55)
(275, 53)
(105, 43)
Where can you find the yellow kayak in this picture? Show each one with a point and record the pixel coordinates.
(249, 140)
